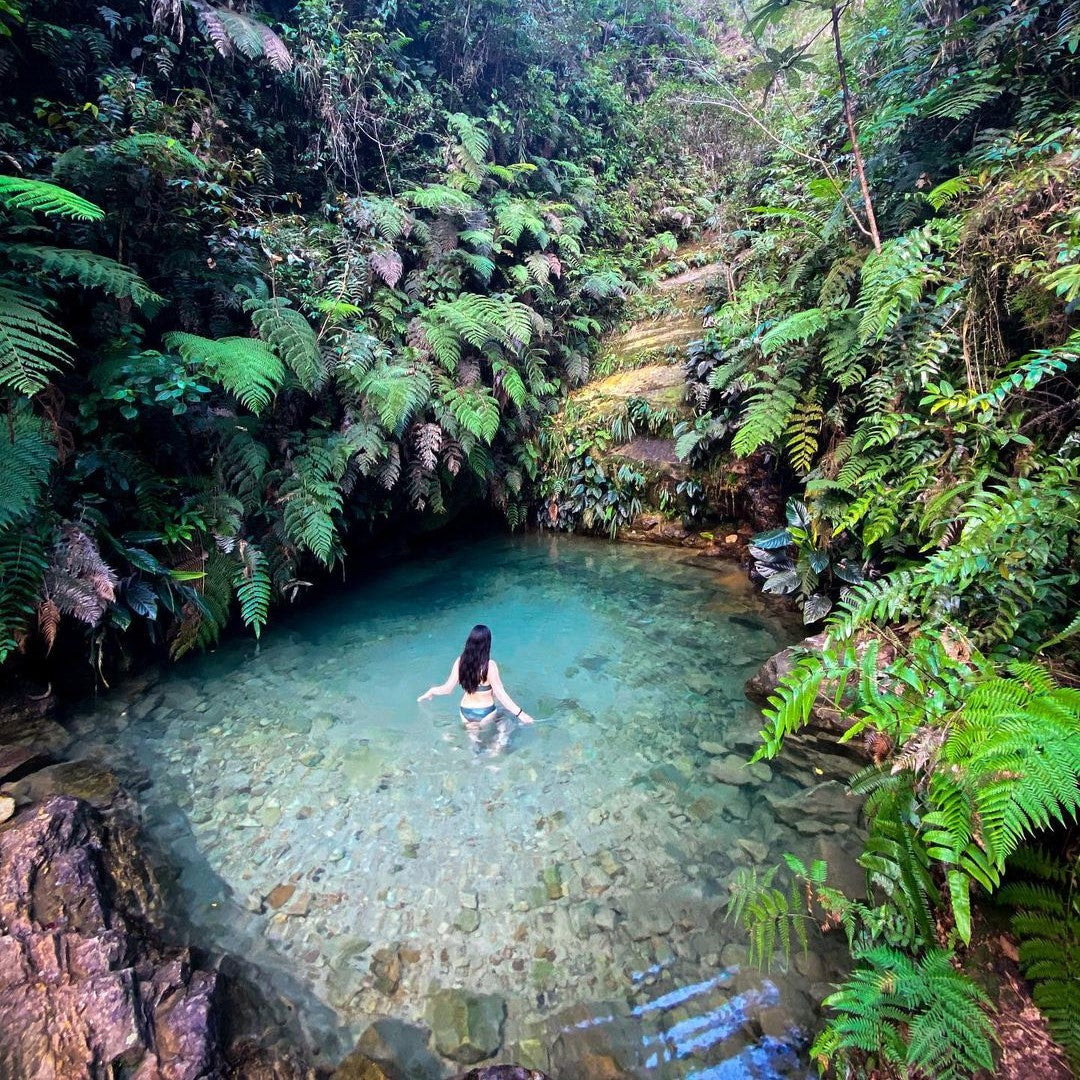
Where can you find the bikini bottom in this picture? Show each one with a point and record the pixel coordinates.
(478, 714)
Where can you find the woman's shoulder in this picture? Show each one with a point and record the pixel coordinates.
(492, 667)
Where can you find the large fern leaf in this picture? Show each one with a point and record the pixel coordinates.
(290, 335)
(22, 567)
(90, 270)
(44, 198)
(246, 367)
(26, 456)
(32, 346)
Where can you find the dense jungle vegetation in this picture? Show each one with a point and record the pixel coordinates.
(267, 283)
(273, 275)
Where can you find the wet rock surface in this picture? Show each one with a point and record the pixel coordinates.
(89, 989)
(464, 1026)
(86, 989)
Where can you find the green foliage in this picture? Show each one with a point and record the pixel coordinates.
(87, 269)
(252, 584)
(21, 193)
(290, 335)
(1046, 900)
(27, 455)
(909, 1014)
(22, 565)
(32, 346)
(246, 367)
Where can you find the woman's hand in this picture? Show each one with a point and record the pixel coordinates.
(426, 696)
(525, 718)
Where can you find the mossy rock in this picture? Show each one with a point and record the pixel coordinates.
(466, 1027)
(82, 779)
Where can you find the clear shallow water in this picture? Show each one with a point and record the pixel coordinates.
(361, 850)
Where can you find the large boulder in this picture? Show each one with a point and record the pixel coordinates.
(466, 1027)
(87, 991)
(763, 683)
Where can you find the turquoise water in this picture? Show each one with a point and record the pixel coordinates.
(361, 850)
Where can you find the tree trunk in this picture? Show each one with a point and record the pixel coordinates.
(849, 118)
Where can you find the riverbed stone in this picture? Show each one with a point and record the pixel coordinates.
(466, 1027)
(358, 1066)
(7, 807)
(280, 895)
(402, 1046)
(757, 851)
(731, 769)
(468, 920)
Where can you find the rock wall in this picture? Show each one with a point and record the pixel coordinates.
(90, 990)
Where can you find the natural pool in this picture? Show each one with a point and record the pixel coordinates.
(363, 853)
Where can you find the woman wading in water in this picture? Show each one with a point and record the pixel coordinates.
(478, 676)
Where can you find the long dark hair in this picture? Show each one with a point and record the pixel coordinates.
(473, 665)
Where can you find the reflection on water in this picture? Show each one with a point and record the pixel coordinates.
(361, 850)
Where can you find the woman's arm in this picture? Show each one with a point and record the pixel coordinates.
(443, 688)
(502, 697)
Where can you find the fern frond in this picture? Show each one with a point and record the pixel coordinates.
(291, 336)
(799, 327)
(246, 367)
(252, 584)
(44, 198)
(32, 346)
(22, 568)
(91, 271)
(26, 457)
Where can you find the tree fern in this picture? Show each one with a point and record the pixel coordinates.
(894, 279)
(440, 198)
(233, 31)
(470, 148)
(89, 270)
(1047, 922)
(246, 367)
(290, 335)
(475, 409)
(22, 194)
(913, 1013)
(32, 346)
(799, 327)
(395, 392)
(22, 566)
(768, 411)
(478, 321)
(311, 498)
(26, 457)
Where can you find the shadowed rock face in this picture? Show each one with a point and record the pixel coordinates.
(89, 991)
(85, 990)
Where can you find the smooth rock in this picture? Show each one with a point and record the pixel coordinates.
(279, 895)
(467, 921)
(757, 851)
(466, 1027)
(81, 779)
(730, 770)
(7, 807)
(358, 1066)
